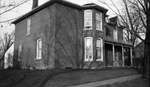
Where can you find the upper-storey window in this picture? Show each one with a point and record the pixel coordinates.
(99, 21)
(115, 35)
(28, 26)
(87, 19)
(108, 32)
(88, 49)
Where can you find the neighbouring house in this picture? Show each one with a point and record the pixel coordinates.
(60, 34)
(8, 59)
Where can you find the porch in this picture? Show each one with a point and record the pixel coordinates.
(117, 55)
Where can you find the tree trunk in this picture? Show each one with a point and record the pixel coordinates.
(2, 62)
(146, 68)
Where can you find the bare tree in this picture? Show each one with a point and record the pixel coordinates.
(129, 19)
(5, 44)
(146, 7)
(137, 20)
(143, 8)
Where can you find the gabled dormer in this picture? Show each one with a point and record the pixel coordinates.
(114, 31)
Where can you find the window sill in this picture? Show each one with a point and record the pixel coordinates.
(38, 59)
(28, 34)
(99, 30)
(99, 60)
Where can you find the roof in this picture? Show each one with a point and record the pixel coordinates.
(95, 6)
(66, 3)
(140, 44)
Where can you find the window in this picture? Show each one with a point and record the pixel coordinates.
(19, 50)
(108, 31)
(125, 34)
(99, 49)
(28, 26)
(39, 49)
(99, 21)
(88, 19)
(115, 35)
(88, 48)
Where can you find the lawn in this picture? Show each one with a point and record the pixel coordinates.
(133, 83)
(86, 76)
(57, 77)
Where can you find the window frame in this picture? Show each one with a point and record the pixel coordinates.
(88, 18)
(85, 51)
(99, 21)
(28, 26)
(99, 45)
(39, 49)
(19, 50)
(115, 34)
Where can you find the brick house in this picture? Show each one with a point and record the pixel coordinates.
(60, 34)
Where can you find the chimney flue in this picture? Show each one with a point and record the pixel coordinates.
(35, 4)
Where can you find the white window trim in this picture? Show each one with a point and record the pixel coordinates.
(87, 59)
(101, 47)
(115, 32)
(28, 26)
(19, 50)
(88, 17)
(99, 18)
(39, 49)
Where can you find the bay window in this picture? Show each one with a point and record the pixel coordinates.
(99, 49)
(88, 48)
(99, 21)
(87, 19)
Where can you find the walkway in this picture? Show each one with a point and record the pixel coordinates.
(110, 81)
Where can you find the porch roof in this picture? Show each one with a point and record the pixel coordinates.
(118, 43)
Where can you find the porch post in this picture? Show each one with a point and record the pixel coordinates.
(123, 56)
(113, 53)
(131, 57)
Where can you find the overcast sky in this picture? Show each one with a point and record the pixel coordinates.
(26, 7)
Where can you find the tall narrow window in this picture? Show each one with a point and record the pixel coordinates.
(115, 35)
(99, 49)
(125, 34)
(99, 21)
(28, 26)
(39, 49)
(87, 19)
(88, 48)
(108, 32)
(19, 50)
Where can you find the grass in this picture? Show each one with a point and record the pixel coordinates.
(57, 77)
(85, 76)
(133, 83)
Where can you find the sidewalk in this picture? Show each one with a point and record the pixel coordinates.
(110, 81)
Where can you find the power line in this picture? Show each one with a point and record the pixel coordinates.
(14, 7)
(7, 20)
(7, 6)
(10, 10)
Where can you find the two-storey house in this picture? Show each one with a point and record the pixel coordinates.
(60, 34)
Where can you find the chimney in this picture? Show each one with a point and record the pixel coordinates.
(35, 4)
